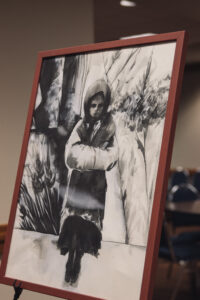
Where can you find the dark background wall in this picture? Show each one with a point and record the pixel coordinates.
(186, 151)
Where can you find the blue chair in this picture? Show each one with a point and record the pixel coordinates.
(182, 250)
(196, 180)
(182, 193)
(180, 176)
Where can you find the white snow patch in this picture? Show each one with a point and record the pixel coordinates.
(35, 258)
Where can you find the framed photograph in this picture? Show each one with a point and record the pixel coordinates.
(87, 208)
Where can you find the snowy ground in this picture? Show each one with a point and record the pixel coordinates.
(35, 258)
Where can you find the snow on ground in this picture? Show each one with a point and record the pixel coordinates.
(118, 270)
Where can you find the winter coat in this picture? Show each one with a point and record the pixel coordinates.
(89, 152)
(94, 187)
(88, 157)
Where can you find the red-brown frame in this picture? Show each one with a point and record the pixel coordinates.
(164, 162)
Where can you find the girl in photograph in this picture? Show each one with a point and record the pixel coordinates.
(90, 152)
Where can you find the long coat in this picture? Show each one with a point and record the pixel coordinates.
(88, 155)
(94, 184)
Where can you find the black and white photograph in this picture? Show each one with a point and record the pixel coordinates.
(87, 190)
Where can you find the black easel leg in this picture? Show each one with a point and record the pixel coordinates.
(18, 290)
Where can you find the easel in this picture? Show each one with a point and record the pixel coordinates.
(18, 290)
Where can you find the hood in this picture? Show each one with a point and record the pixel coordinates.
(97, 87)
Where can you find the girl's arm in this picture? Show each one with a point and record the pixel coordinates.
(85, 158)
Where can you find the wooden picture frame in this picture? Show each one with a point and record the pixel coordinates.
(138, 82)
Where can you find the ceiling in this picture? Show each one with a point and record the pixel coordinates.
(113, 21)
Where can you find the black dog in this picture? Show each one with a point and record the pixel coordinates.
(78, 236)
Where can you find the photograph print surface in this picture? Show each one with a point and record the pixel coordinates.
(87, 190)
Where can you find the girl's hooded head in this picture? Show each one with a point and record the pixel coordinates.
(97, 100)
